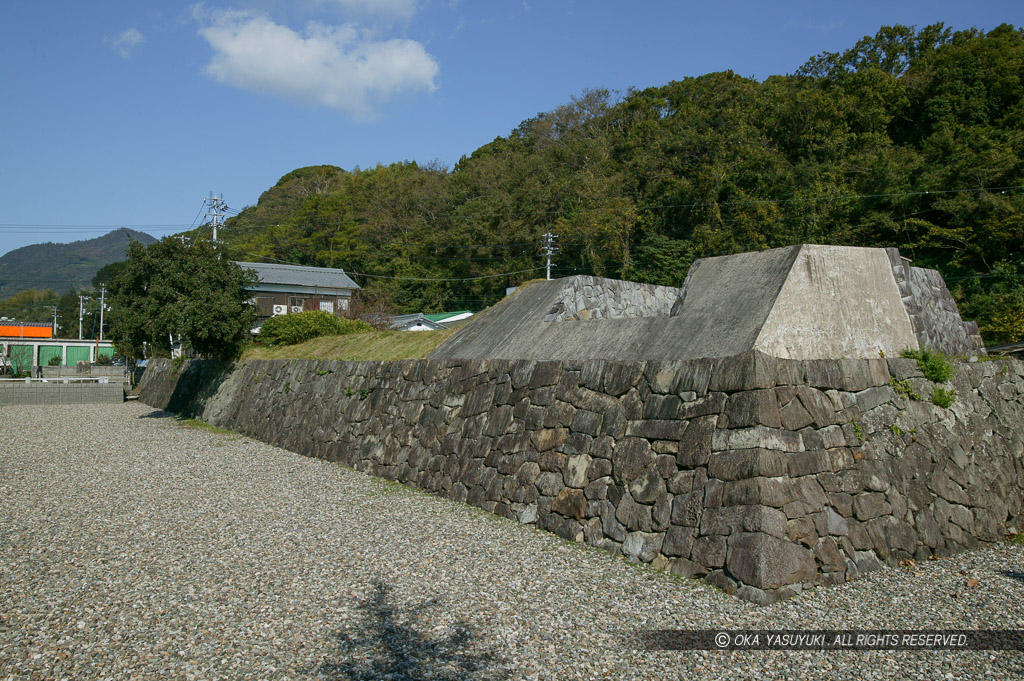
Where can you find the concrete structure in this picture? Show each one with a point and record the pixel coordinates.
(799, 302)
(754, 427)
(285, 289)
(60, 391)
(25, 354)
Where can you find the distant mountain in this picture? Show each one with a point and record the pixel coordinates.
(63, 266)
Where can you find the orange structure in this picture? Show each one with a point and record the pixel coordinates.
(25, 330)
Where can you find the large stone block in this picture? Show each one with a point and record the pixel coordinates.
(571, 503)
(696, 441)
(642, 545)
(630, 458)
(648, 486)
(752, 408)
(730, 519)
(757, 437)
(747, 463)
(767, 562)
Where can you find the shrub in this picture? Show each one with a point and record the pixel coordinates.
(935, 366)
(904, 389)
(943, 398)
(289, 329)
(55, 361)
(104, 360)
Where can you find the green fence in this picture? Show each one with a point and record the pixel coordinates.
(20, 357)
(77, 354)
(47, 353)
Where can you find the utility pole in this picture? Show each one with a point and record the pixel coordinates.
(103, 292)
(216, 212)
(81, 311)
(549, 250)
(54, 321)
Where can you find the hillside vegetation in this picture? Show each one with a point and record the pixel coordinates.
(370, 345)
(63, 267)
(910, 138)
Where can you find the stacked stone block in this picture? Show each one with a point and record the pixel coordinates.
(586, 297)
(762, 476)
(933, 312)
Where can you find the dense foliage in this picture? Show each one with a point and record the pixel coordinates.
(911, 138)
(289, 329)
(170, 289)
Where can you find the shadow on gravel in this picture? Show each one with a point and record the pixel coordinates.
(1019, 576)
(158, 414)
(388, 644)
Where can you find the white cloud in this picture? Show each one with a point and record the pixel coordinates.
(124, 42)
(335, 66)
(382, 9)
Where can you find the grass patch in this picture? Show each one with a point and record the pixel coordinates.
(1016, 538)
(196, 424)
(935, 366)
(904, 389)
(858, 431)
(943, 398)
(357, 347)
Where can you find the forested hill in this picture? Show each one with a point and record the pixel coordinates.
(911, 138)
(63, 267)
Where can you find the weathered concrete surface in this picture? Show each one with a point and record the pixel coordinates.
(725, 303)
(799, 302)
(837, 301)
(765, 476)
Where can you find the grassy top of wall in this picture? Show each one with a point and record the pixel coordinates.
(373, 345)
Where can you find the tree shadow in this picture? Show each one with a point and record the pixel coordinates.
(388, 644)
(158, 414)
(1012, 574)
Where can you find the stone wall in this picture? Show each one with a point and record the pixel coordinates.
(584, 297)
(763, 476)
(933, 312)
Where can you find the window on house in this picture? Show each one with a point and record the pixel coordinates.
(327, 306)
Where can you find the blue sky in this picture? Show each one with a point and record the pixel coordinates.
(128, 113)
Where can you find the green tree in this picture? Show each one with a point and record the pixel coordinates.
(68, 314)
(169, 290)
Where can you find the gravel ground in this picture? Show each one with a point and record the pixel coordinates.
(132, 547)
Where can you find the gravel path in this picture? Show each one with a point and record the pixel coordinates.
(132, 547)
